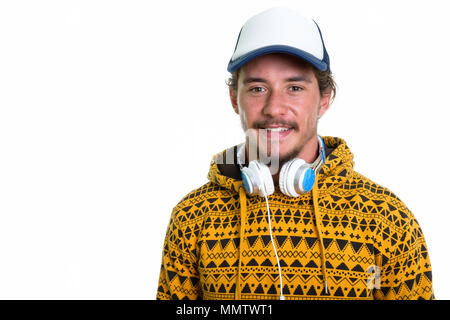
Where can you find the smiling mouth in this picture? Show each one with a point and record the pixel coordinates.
(276, 132)
(278, 129)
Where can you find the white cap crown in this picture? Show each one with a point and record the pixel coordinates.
(280, 30)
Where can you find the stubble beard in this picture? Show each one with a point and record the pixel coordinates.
(290, 155)
(281, 159)
(294, 152)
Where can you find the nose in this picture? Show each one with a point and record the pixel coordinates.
(276, 104)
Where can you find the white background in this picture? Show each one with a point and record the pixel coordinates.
(110, 112)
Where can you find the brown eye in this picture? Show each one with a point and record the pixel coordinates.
(295, 88)
(257, 89)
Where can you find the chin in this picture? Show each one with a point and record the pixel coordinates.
(288, 154)
(280, 157)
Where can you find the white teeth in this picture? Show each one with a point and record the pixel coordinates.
(277, 129)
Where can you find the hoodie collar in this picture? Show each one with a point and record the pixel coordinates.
(228, 175)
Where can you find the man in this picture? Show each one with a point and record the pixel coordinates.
(309, 228)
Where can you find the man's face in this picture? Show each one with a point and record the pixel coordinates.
(279, 95)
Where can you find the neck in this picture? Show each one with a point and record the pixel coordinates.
(310, 150)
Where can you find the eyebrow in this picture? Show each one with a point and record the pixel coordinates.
(292, 79)
(298, 79)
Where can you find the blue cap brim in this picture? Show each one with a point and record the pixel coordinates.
(317, 63)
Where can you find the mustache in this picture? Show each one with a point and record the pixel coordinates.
(281, 123)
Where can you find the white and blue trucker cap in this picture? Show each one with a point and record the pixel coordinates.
(280, 30)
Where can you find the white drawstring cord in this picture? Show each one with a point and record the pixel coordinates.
(262, 186)
(274, 249)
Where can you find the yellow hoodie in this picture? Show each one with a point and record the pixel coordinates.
(347, 239)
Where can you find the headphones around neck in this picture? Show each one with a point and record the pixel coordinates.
(296, 176)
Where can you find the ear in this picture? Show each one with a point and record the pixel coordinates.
(233, 99)
(324, 102)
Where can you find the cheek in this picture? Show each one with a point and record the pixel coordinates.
(243, 115)
(307, 115)
(306, 120)
(247, 112)
(244, 120)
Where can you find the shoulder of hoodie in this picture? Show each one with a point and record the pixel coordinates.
(189, 208)
(349, 183)
(370, 191)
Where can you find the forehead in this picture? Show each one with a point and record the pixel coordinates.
(277, 64)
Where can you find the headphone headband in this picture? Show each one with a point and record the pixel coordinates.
(317, 164)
